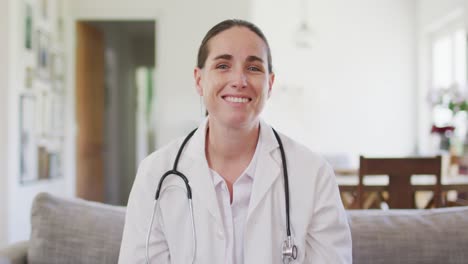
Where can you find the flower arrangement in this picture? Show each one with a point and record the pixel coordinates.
(449, 107)
(442, 130)
(454, 98)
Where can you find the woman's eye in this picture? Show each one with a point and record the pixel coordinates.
(254, 68)
(222, 66)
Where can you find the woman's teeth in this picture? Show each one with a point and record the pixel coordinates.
(236, 99)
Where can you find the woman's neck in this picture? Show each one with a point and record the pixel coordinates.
(230, 143)
(230, 150)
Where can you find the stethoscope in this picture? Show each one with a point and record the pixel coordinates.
(289, 249)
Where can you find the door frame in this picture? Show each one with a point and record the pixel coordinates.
(112, 13)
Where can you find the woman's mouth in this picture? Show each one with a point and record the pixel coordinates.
(234, 99)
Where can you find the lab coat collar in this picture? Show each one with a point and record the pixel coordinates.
(198, 173)
(197, 144)
(267, 169)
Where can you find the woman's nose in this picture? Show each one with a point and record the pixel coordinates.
(239, 79)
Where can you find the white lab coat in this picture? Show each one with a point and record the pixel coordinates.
(318, 221)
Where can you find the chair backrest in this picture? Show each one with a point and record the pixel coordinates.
(399, 171)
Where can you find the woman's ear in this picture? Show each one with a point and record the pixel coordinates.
(197, 75)
(271, 80)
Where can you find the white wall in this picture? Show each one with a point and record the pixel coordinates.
(432, 14)
(430, 11)
(20, 197)
(355, 87)
(4, 74)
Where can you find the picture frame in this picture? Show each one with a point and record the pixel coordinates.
(43, 55)
(57, 65)
(55, 165)
(58, 86)
(43, 163)
(45, 111)
(29, 77)
(28, 143)
(60, 22)
(42, 115)
(57, 115)
(44, 9)
(28, 26)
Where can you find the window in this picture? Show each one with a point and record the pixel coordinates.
(449, 79)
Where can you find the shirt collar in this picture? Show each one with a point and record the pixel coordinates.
(250, 170)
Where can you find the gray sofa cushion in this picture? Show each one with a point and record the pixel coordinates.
(410, 236)
(74, 231)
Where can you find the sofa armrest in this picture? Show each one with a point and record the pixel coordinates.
(15, 253)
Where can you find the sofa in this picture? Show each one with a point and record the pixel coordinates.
(78, 231)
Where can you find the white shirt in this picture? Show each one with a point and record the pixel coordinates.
(234, 215)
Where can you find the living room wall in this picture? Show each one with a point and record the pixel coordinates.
(20, 193)
(4, 79)
(353, 90)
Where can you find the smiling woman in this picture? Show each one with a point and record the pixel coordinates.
(236, 166)
(235, 83)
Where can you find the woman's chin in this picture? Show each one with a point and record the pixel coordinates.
(241, 121)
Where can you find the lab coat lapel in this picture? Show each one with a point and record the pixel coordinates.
(268, 167)
(195, 167)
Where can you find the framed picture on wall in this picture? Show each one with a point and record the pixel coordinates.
(60, 28)
(43, 109)
(57, 115)
(44, 8)
(29, 77)
(57, 65)
(58, 87)
(43, 159)
(28, 26)
(55, 165)
(43, 55)
(28, 146)
(45, 112)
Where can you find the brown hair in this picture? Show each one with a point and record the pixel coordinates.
(222, 26)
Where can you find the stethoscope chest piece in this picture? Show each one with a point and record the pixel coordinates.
(289, 250)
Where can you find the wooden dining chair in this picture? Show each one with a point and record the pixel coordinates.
(399, 171)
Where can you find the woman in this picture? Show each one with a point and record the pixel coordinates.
(233, 163)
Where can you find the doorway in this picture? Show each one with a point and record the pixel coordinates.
(115, 95)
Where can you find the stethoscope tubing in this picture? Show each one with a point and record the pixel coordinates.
(154, 214)
(148, 234)
(189, 196)
(286, 182)
(174, 171)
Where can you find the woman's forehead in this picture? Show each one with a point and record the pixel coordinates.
(237, 41)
